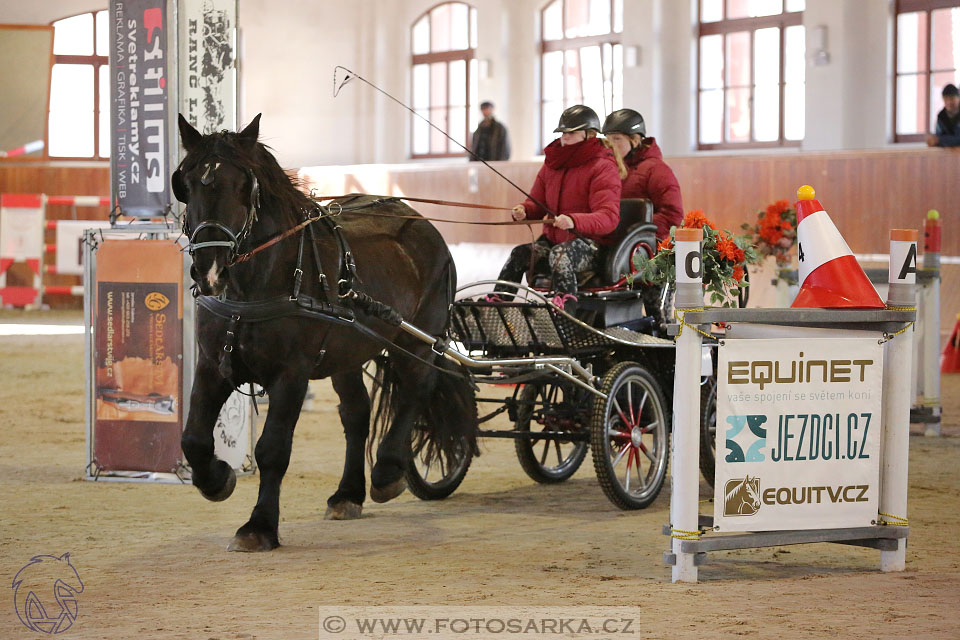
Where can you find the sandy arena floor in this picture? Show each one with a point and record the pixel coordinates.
(153, 563)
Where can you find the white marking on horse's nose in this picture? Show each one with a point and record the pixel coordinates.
(212, 275)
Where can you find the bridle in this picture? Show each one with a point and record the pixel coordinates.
(233, 241)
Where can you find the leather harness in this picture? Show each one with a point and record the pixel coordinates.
(299, 305)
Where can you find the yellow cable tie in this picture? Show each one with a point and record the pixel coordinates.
(895, 521)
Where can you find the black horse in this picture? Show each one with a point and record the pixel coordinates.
(319, 302)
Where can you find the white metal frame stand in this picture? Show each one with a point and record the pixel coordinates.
(889, 535)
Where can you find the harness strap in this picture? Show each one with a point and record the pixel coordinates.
(298, 271)
(321, 276)
(277, 307)
(226, 356)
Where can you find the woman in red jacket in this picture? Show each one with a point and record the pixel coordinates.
(649, 176)
(580, 184)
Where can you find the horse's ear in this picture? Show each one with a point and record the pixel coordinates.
(251, 132)
(190, 137)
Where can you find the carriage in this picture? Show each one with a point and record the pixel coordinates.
(600, 380)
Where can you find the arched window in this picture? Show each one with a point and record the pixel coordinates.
(751, 73)
(79, 125)
(926, 58)
(581, 59)
(444, 78)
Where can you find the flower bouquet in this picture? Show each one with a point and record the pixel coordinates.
(775, 232)
(725, 257)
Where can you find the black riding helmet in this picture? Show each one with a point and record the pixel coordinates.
(625, 121)
(579, 117)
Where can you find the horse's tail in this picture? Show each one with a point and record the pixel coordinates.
(448, 421)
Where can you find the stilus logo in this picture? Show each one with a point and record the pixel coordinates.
(741, 496)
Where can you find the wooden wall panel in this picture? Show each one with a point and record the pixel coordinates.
(866, 192)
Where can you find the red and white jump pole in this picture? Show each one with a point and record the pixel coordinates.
(30, 147)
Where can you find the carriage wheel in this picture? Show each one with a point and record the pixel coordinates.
(439, 479)
(708, 430)
(630, 436)
(547, 407)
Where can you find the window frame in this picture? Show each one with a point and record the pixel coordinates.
(723, 27)
(448, 56)
(43, 155)
(97, 62)
(915, 6)
(564, 44)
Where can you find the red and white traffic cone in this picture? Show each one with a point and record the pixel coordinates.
(950, 358)
(830, 277)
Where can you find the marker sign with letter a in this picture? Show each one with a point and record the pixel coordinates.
(903, 260)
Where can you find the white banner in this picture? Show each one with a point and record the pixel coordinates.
(208, 73)
(232, 434)
(70, 244)
(21, 228)
(798, 433)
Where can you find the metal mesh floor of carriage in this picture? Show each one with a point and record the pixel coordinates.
(536, 328)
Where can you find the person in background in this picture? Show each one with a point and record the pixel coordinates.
(580, 183)
(948, 120)
(490, 140)
(648, 175)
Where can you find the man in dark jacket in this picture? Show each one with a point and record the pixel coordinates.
(490, 140)
(948, 120)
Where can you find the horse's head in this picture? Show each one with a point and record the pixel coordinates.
(216, 181)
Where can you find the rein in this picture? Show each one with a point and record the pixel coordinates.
(243, 257)
(448, 203)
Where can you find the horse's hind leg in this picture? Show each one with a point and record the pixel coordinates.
(414, 384)
(347, 502)
(273, 456)
(213, 477)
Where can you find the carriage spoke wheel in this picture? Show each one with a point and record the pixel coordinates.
(438, 478)
(708, 429)
(629, 436)
(550, 407)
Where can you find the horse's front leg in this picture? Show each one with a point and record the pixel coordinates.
(273, 456)
(347, 502)
(213, 477)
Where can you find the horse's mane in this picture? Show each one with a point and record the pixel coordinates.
(281, 196)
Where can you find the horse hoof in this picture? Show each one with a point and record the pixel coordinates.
(388, 492)
(343, 511)
(226, 491)
(251, 542)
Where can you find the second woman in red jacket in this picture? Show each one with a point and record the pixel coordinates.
(649, 176)
(580, 182)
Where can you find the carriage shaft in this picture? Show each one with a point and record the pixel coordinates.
(582, 378)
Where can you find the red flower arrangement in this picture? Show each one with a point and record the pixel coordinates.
(775, 232)
(724, 259)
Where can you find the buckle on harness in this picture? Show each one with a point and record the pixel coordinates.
(440, 346)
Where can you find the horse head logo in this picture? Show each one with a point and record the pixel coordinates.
(741, 496)
(45, 594)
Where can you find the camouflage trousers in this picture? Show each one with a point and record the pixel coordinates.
(562, 261)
